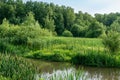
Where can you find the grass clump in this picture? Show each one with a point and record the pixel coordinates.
(55, 55)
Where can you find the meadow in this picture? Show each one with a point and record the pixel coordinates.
(64, 48)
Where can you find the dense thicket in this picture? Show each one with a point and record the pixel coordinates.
(59, 18)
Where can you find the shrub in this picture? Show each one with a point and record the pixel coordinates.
(67, 33)
(112, 41)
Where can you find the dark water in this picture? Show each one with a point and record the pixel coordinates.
(91, 73)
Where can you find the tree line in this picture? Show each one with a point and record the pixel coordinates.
(60, 20)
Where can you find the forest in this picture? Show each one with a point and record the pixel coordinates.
(60, 20)
(33, 31)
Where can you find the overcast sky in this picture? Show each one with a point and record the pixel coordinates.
(90, 6)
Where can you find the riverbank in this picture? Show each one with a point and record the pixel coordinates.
(10, 64)
(79, 51)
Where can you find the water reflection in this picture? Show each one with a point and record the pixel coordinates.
(47, 66)
(91, 73)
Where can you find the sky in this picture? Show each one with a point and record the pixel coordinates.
(90, 6)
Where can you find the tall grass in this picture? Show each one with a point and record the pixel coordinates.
(16, 68)
(96, 59)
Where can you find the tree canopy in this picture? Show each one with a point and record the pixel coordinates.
(57, 18)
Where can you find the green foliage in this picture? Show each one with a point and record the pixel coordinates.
(29, 21)
(21, 38)
(16, 68)
(67, 33)
(115, 26)
(95, 30)
(112, 42)
(49, 24)
(107, 19)
(69, 17)
(84, 19)
(16, 11)
(54, 18)
(3, 78)
(59, 21)
(76, 30)
(55, 55)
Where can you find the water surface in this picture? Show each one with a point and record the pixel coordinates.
(91, 73)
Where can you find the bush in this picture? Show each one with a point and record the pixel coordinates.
(16, 68)
(112, 41)
(67, 33)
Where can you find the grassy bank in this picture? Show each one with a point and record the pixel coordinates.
(83, 51)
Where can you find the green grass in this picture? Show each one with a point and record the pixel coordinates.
(63, 48)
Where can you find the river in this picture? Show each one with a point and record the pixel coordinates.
(92, 73)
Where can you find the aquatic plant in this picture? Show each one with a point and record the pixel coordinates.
(66, 74)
